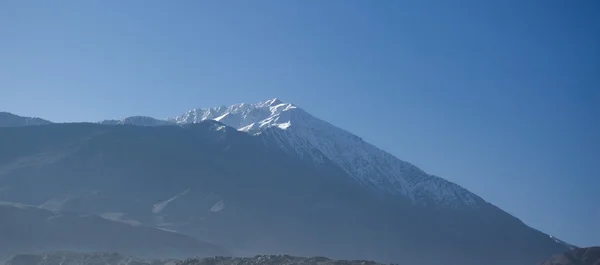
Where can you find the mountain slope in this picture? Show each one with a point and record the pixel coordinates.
(218, 184)
(26, 229)
(9, 119)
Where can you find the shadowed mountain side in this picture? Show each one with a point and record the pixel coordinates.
(224, 186)
(27, 229)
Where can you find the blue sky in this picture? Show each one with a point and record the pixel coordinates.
(501, 97)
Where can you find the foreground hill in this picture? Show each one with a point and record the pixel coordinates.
(228, 187)
(580, 256)
(117, 259)
(26, 229)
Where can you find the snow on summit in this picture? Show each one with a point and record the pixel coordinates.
(245, 117)
(297, 132)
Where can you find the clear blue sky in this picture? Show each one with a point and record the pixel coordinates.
(501, 97)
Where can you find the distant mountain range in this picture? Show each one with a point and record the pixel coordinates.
(263, 178)
(9, 119)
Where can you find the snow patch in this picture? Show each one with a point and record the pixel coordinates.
(167, 230)
(220, 205)
(284, 125)
(157, 208)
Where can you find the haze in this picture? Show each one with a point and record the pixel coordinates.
(502, 98)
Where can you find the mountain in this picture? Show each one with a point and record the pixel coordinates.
(26, 229)
(285, 126)
(297, 132)
(579, 256)
(241, 191)
(63, 258)
(9, 119)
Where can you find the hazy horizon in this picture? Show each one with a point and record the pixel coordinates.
(500, 98)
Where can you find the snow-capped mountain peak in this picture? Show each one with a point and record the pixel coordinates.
(244, 117)
(286, 126)
(269, 103)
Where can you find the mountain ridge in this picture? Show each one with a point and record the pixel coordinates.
(8, 119)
